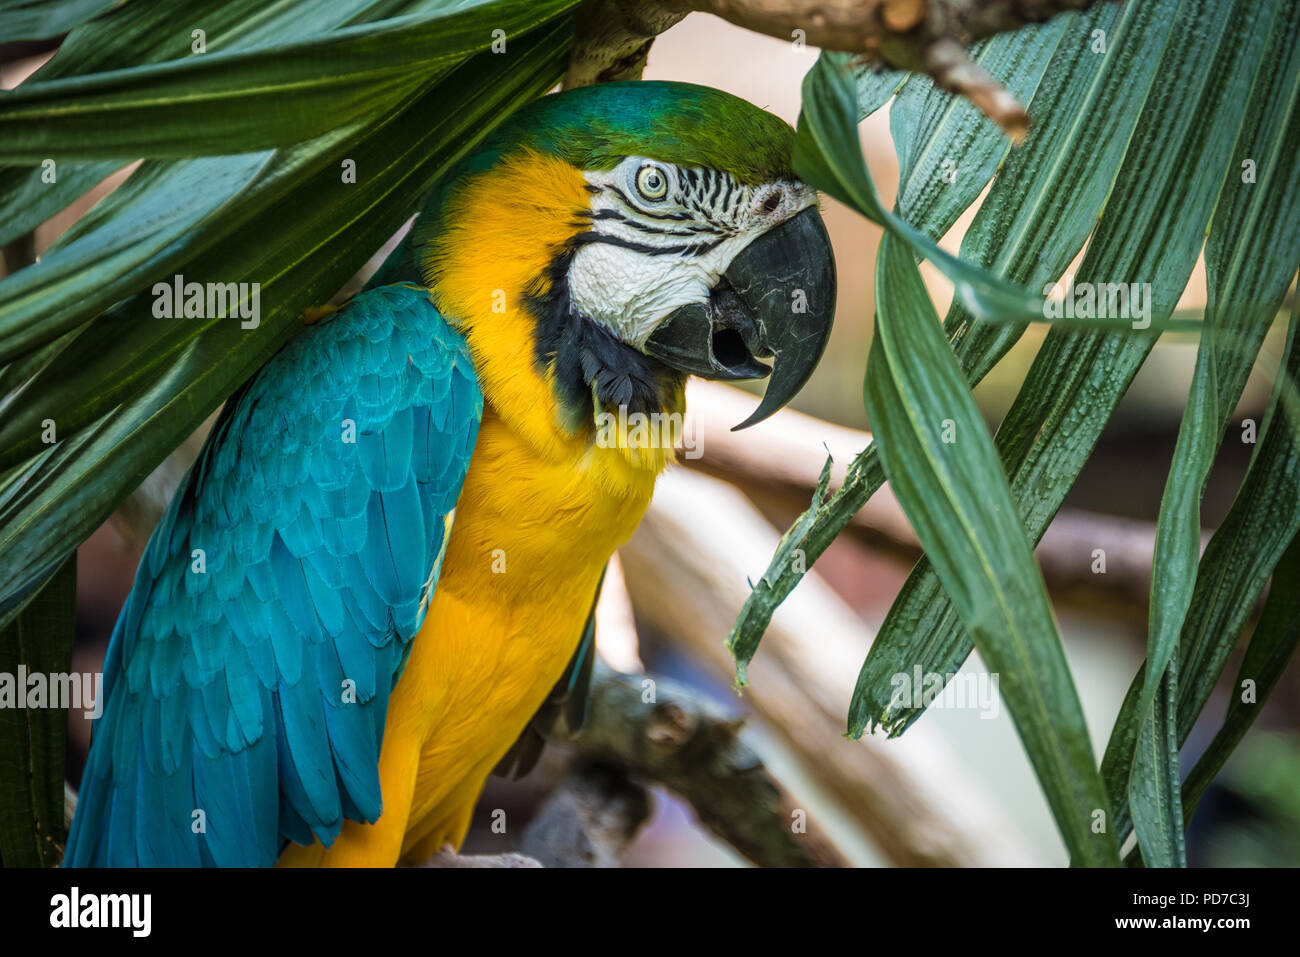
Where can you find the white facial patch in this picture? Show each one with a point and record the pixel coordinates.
(661, 237)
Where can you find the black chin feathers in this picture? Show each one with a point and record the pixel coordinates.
(592, 366)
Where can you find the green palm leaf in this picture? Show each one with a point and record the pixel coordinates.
(942, 466)
(240, 100)
(1154, 155)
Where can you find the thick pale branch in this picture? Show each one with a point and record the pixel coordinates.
(616, 637)
(777, 462)
(686, 571)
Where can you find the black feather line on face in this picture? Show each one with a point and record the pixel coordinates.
(614, 215)
(682, 249)
(718, 181)
(590, 364)
(627, 201)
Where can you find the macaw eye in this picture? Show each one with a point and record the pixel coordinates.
(651, 182)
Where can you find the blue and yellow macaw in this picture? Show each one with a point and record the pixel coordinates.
(315, 664)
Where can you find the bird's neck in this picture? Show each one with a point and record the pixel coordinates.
(562, 382)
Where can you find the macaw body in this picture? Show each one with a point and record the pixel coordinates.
(383, 565)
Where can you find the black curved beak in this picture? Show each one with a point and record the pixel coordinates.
(776, 300)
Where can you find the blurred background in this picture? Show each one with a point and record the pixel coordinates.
(968, 771)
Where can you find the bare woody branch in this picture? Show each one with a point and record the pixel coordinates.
(612, 39)
(683, 741)
(925, 36)
(589, 819)
(642, 730)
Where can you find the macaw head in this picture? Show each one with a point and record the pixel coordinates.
(634, 233)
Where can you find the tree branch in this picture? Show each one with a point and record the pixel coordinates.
(589, 819)
(686, 571)
(447, 858)
(680, 739)
(926, 36)
(642, 729)
(611, 39)
(778, 461)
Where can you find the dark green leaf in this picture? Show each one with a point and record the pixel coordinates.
(43, 19)
(1271, 649)
(943, 468)
(1160, 202)
(137, 233)
(1076, 161)
(1154, 792)
(828, 156)
(242, 100)
(875, 87)
(1244, 549)
(947, 149)
(1242, 553)
(28, 197)
(1251, 255)
(33, 740)
(137, 33)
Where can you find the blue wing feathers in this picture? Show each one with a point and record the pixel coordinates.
(318, 503)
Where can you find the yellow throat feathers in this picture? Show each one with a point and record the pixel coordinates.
(500, 233)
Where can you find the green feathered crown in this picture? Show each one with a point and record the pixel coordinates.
(595, 127)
